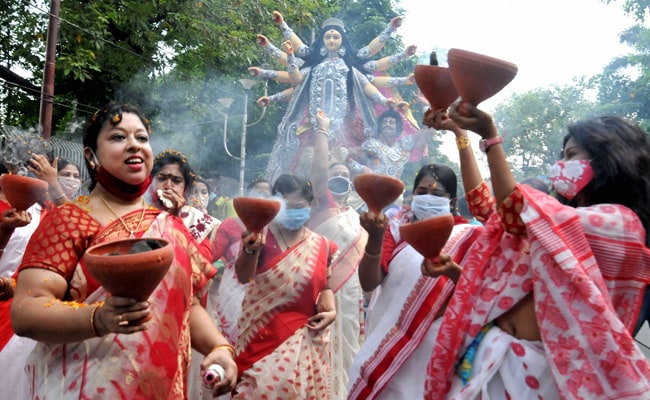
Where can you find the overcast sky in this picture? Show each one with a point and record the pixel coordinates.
(551, 41)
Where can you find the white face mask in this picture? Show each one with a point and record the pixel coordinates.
(427, 205)
(339, 185)
(69, 185)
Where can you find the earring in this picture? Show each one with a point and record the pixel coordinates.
(91, 164)
(323, 51)
(342, 51)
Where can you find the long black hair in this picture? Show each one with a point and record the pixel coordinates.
(446, 176)
(443, 174)
(620, 159)
(289, 183)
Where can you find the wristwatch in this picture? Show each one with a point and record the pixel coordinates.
(485, 144)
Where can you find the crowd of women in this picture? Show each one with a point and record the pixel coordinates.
(542, 299)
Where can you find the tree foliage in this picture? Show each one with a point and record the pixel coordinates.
(175, 59)
(625, 81)
(533, 125)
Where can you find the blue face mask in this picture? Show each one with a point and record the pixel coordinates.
(293, 218)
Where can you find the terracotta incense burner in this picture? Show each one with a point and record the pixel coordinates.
(436, 85)
(22, 191)
(130, 267)
(478, 77)
(378, 191)
(255, 213)
(428, 236)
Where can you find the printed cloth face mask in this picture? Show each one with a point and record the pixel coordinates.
(570, 177)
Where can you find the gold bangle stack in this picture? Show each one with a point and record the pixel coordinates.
(462, 142)
(92, 320)
(227, 346)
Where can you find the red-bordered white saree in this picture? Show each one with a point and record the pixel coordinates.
(587, 267)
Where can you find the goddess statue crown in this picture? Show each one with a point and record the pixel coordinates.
(333, 22)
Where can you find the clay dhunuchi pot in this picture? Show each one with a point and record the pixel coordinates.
(428, 236)
(126, 273)
(255, 213)
(378, 191)
(23, 191)
(478, 77)
(436, 85)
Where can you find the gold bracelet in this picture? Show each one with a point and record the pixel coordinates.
(372, 255)
(462, 142)
(92, 320)
(230, 348)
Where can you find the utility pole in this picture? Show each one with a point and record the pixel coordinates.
(47, 90)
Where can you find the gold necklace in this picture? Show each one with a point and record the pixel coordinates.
(137, 228)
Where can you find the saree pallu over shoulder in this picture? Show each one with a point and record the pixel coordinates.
(405, 316)
(345, 230)
(590, 351)
(275, 309)
(147, 365)
(347, 330)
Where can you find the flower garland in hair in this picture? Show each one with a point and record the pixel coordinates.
(164, 153)
(116, 115)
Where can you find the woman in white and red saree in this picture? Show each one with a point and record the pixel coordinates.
(283, 342)
(333, 218)
(224, 301)
(550, 293)
(93, 344)
(401, 317)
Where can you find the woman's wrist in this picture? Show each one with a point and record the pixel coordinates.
(462, 142)
(93, 324)
(324, 132)
(225, 346)
(55, 197)
(373, 252)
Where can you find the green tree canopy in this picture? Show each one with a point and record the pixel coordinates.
(174, 59)
(533, 125)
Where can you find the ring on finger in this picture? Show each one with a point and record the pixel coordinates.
(122, 321)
